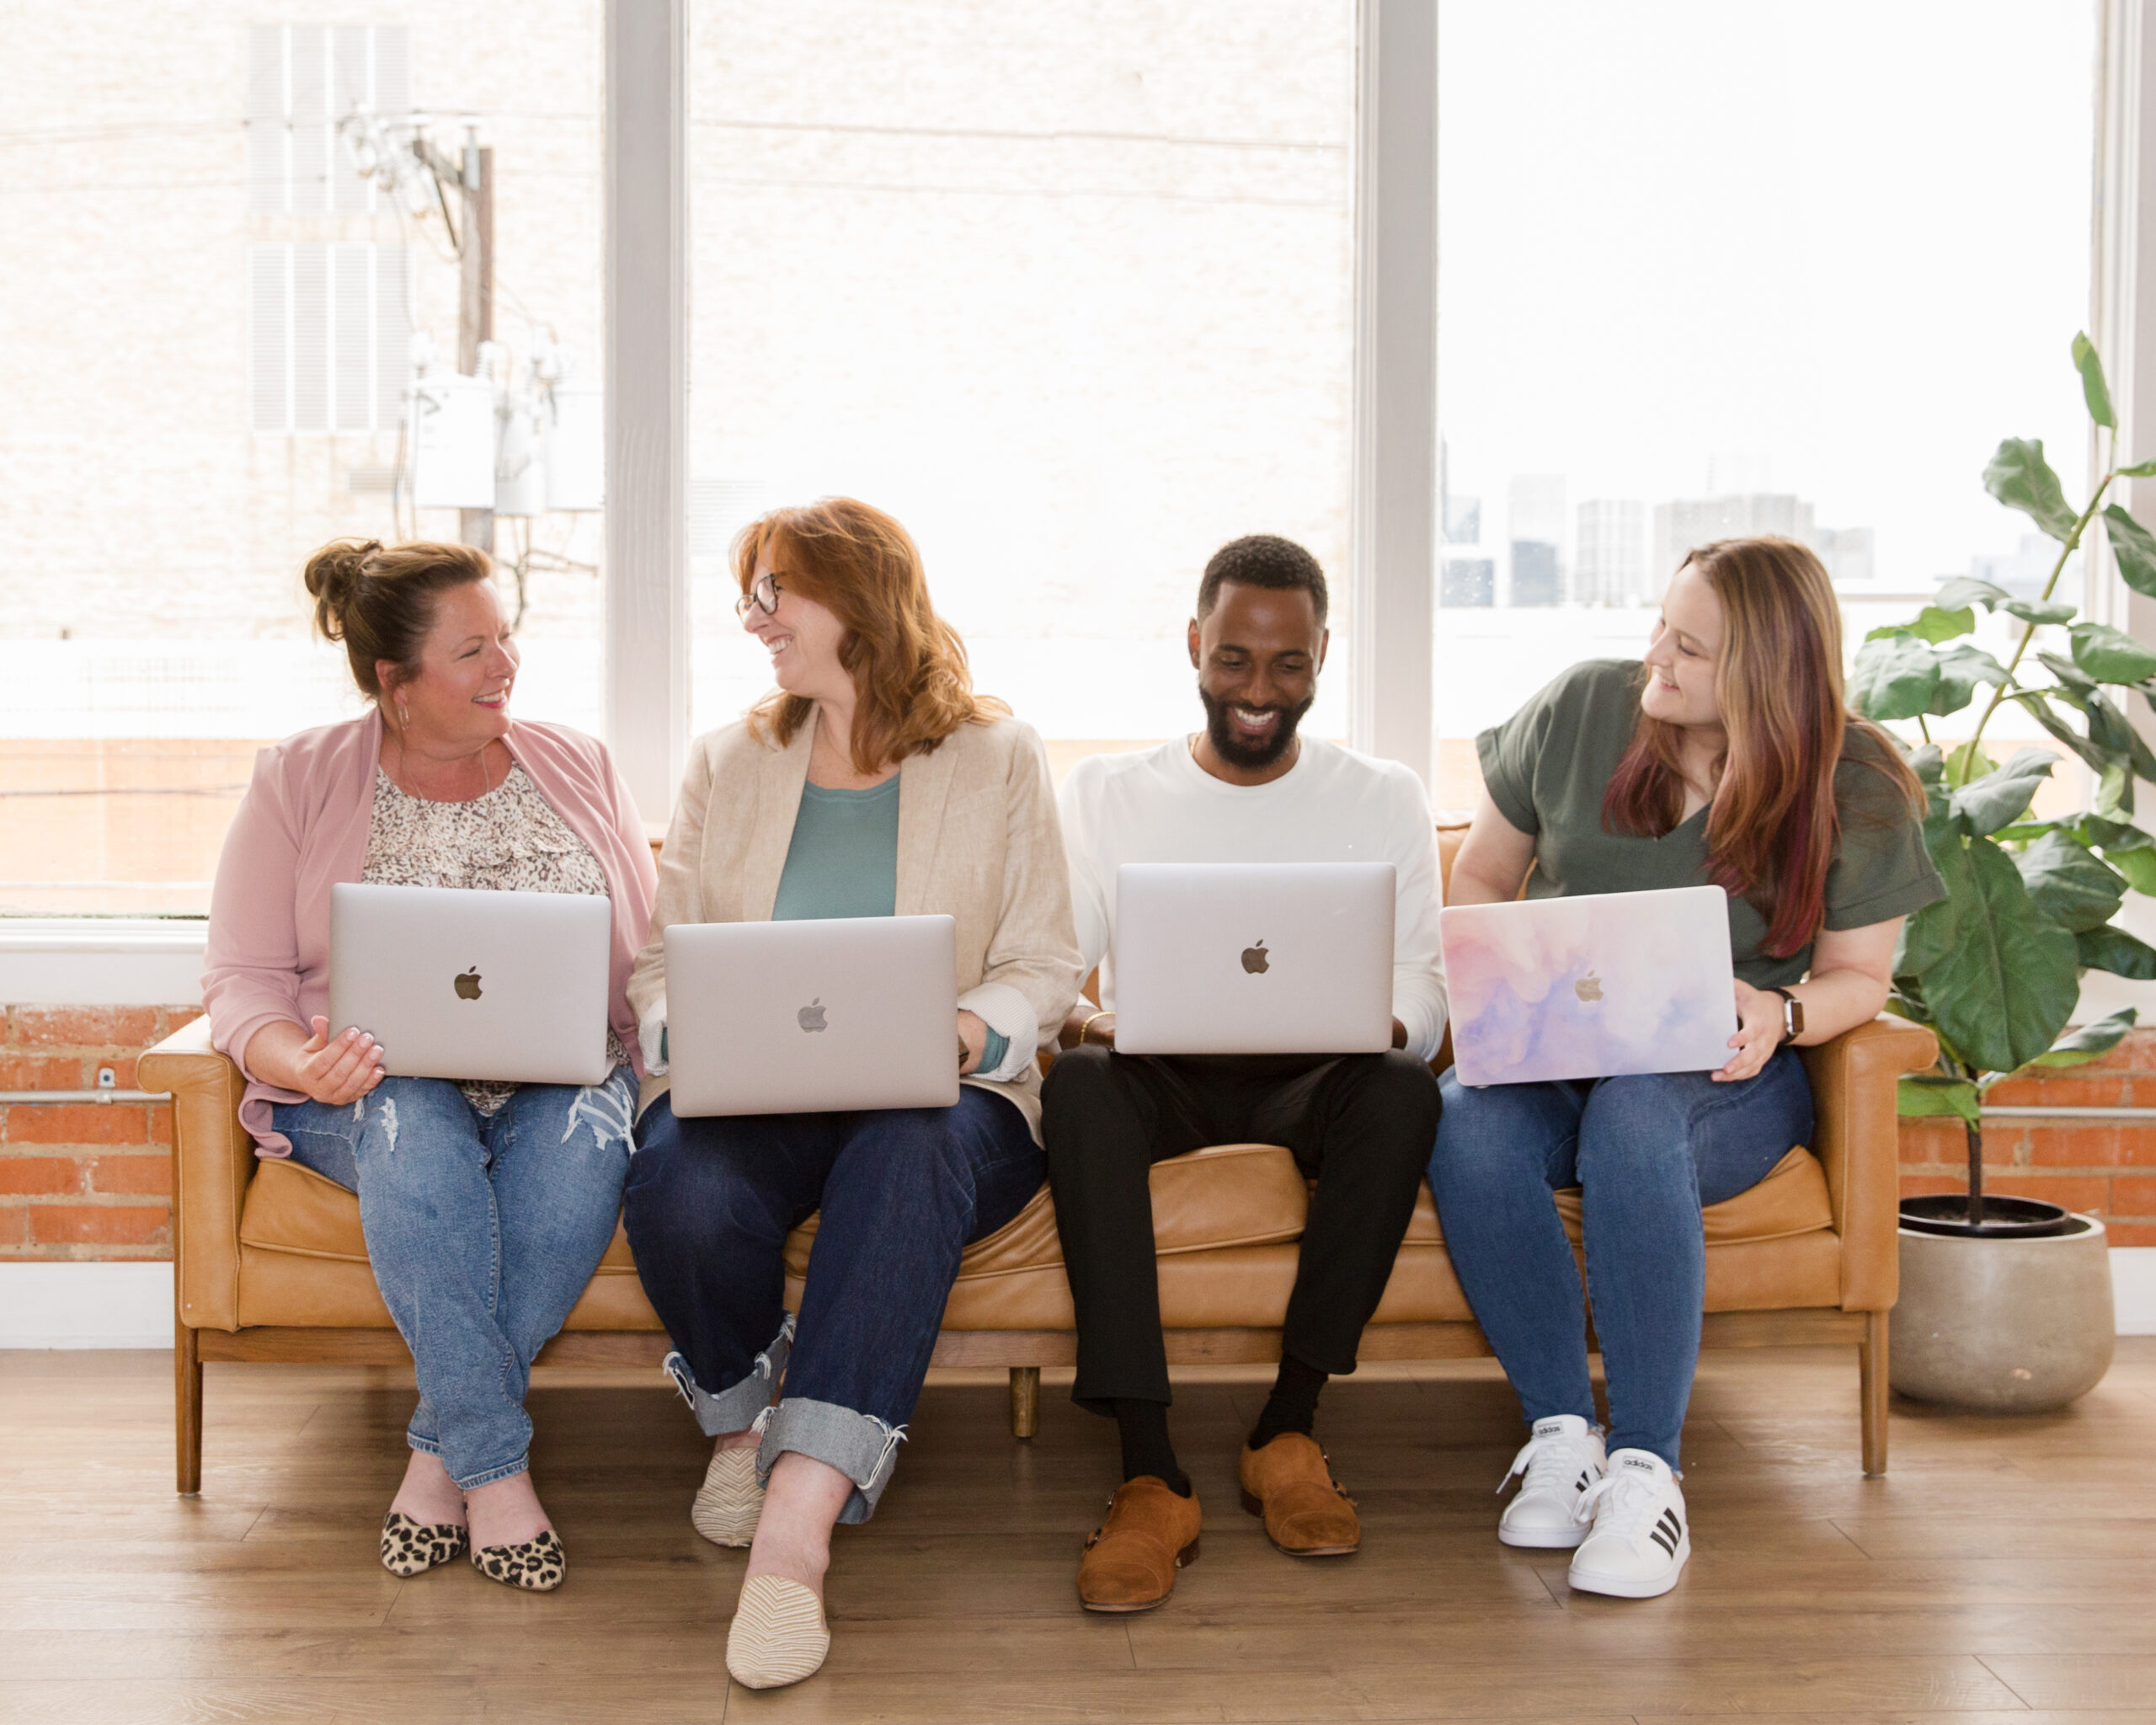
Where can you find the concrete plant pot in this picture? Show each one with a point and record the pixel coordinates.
(2003, 1325)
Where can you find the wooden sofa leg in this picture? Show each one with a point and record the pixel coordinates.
(1025, 1400)
(1871, 1374)
(187, 1406)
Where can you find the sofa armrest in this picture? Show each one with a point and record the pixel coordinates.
(212, 1161)
(1857, 1141)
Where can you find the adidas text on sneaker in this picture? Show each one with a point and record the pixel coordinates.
(1638, 1538)
(1554, 1469)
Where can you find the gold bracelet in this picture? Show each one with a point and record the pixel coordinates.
(1088, 1025)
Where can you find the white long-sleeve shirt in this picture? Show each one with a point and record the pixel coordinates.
(1334, 805)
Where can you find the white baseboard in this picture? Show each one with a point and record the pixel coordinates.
(2133, 1288)
(85, 1305)
(129, 1304)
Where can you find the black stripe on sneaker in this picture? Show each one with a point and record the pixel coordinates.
(1660, 1537)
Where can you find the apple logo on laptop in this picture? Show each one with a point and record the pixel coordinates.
(467, 985)
(811, 1016)
(1588, 988)
(1255, 959)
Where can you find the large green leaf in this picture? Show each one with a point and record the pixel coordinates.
(2074, 681)
(2089, 1041)
(2039, 709)
(1961, 667)
(1965, 590)
(2093, 388)
(2133, 549)
(2139, 470)
(2009, 983)
(2069, 883)
(1999, 798)
(2111, 729)
(1895, 677)
(2111, 656)
(1927, 1094)
(1926, 937)
(2115, 950)
(1936, 624)
(2040, 611)
(2021, 477)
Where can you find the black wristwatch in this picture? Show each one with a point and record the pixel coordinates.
(1792, 1014)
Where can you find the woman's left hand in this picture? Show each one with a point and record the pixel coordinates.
(973, 1032)
(1758, 1032)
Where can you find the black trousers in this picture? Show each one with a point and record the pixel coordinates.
(1361, 1126)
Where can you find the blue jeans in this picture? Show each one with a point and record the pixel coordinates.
(1647, 1153)
(483, 1231)
(710, 1200)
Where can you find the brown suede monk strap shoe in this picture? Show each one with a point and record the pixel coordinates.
(1131, 1559)
(1308, 1513)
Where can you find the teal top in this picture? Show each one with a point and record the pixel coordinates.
(843, 861)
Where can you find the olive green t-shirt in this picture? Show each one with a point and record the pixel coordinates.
(1548, 766)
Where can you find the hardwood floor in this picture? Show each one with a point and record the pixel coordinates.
(2004, 1571)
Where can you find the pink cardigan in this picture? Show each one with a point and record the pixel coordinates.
(302, 827)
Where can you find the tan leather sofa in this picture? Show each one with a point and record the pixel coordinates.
(271, 1264)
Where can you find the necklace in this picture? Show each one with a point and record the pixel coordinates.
(403, 776)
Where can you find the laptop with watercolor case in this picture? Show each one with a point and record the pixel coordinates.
(1594, 986)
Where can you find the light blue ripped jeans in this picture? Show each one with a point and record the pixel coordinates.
(483, 1230)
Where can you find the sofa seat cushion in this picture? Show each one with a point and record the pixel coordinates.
(1792, 1199)
(304, 1260)
(1230, 1195)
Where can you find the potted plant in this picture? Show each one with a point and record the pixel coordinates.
(2005, 1302)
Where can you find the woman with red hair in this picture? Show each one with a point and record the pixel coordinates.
(871, 781)
(1728, 756)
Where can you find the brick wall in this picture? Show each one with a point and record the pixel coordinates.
(83, 1180)
(93, 1180)
(2108, 1166)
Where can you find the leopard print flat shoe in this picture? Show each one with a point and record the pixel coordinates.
(536, 1565)
(410, 1548)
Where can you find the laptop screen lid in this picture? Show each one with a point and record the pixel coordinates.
(1253, 958)
(812, 1016)
(507, 987)
(1590, 987)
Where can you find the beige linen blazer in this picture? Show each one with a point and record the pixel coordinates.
(978, 840)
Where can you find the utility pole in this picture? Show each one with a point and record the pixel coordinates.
(473, 175)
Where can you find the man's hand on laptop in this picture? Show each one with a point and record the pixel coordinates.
(1087, 1023)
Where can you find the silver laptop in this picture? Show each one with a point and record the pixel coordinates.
(1253, 958)
(812, 1016)
(460, 983)
(1590, 987)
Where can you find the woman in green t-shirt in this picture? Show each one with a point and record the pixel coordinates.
(1727, 756)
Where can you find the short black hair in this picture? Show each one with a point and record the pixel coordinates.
(1262, 560)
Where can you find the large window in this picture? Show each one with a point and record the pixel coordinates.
(1069, 291)
(1710, 270)
(229, 271)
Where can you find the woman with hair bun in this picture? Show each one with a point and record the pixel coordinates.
(1727, 756)
(487, 1206)
(873, 781)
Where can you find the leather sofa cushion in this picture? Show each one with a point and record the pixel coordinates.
(1225, 1221)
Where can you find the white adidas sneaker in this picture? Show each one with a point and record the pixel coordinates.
(1554, 1469)
(1640, 1537)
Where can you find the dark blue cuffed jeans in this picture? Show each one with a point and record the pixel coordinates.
(1647, 1153)
(902, 1192)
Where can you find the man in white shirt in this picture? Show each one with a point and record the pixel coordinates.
(1246, 789)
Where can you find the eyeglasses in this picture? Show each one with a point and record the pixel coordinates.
(763, 595)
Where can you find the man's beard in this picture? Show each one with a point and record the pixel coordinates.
(1251, 757)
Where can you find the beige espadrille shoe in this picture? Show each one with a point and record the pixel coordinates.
(727, 1507)
(778, 1635)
